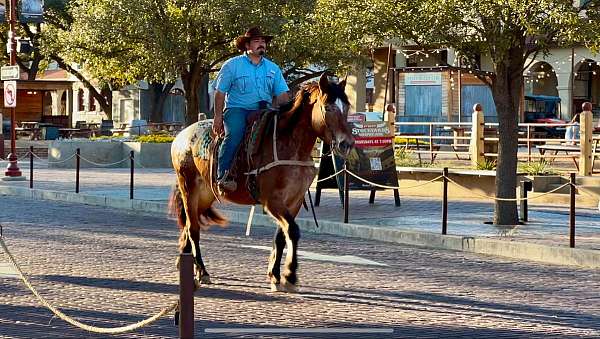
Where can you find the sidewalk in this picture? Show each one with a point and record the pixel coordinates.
(417, 221)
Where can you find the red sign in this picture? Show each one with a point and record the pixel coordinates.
(10, 94)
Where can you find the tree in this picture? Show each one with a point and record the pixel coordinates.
(511, 33)
(163, 40)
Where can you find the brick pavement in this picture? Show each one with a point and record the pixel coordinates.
(111, 267)
(548, 224)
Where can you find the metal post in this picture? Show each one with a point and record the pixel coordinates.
(30, 166)
(572, 213)
(12, 170)
(346, 194)
(78, 163)
(131, 177)
(445, 202)
(186, 295)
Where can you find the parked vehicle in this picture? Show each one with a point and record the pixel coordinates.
(545, 109)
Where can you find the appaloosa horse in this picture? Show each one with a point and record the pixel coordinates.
(283, 171)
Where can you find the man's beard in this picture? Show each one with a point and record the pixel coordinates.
(260, 52)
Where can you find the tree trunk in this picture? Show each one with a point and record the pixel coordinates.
(506, 90)
(191, 83)
(159, 96)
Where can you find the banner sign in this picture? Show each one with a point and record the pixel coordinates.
(423, 79)
(372, 157)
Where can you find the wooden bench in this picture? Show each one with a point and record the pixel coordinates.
(572, 151)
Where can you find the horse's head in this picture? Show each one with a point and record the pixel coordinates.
(329, 115)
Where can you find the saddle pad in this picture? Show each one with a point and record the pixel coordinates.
(204, 140)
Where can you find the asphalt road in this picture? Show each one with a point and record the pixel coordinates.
(111, 268)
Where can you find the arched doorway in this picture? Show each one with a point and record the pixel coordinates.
(541, 80)
(586, 84)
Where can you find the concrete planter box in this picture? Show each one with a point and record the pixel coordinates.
(545, 183)
(97, 154)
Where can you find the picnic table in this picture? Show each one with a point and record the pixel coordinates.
(29, 128)
(573, 151)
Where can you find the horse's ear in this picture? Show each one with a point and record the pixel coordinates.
(324, 83)
(342, 83)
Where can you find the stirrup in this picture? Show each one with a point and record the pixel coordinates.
(226, 183)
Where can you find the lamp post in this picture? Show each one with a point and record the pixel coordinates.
(12, 170)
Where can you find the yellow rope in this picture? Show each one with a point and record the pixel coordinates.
(507, 199)
(58, 313)
(331, 176)
(391, 187)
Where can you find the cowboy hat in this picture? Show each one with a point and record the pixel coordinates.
(253, 32)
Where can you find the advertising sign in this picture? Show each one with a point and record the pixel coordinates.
(373, 155)
(10, 94)
(423, 79)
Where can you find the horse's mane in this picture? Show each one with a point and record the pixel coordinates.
(290, 112)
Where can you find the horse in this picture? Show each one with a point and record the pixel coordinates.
(284, 171)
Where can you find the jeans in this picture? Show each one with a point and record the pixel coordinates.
(234, 122)
(572, 133)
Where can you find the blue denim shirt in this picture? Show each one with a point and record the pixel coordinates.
(245, 84)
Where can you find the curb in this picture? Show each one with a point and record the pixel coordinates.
(503, 248)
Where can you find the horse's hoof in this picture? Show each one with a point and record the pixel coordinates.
(205, 280)
(277, 288)
(289, 287)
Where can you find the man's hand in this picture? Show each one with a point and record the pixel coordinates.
(218, 125)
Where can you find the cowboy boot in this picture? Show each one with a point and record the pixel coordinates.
(226, 183)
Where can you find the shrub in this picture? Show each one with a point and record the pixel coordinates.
(486, 165)
(541, 167)
(155, 138)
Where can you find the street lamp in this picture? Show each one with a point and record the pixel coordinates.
(12, 170)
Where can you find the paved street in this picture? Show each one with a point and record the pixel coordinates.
(110, 268)
(548, 223)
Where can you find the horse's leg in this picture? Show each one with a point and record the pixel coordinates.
(204, 202)
(275, 259)
(290, 234)
(190, 188)
(292, 237)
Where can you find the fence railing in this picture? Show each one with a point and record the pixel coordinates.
(479, 139)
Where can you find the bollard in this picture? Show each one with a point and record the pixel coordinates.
(346, 194)
(527, 186)
(78, 163)
(30, 166)
(186, 295)
(445, 202)
(572, 213)
(131, 176)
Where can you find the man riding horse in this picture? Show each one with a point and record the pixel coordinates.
(246, 83)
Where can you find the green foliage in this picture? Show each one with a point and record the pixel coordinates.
(405, 158)
(541, 167)
(486, 165)
(155, 138)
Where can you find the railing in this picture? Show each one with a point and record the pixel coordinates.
(437, 140)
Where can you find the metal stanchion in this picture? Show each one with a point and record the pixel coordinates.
(30, 166)
(445, 201)
(186, 295)
(346, 194)
(131, 177)
(78, 164)
(572, 213)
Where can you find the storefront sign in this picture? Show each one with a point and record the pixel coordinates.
(423, 79)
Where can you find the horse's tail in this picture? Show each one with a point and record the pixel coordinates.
(176, 209)
(208, 217)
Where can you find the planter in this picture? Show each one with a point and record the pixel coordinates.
(149, 155)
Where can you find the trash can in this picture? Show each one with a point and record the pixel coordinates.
(48, 132)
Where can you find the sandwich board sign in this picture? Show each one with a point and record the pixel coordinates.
(10, 94)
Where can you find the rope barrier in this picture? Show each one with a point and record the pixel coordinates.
(151, 168)
(54, 162)
(103, 165)
(506, 199)
(89, 328)
(391, 187)
(331, 176)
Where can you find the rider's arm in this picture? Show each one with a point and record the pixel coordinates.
(219, 104)
(280, 89)
(282, 99)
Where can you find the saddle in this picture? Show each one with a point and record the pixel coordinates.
(259, 125)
